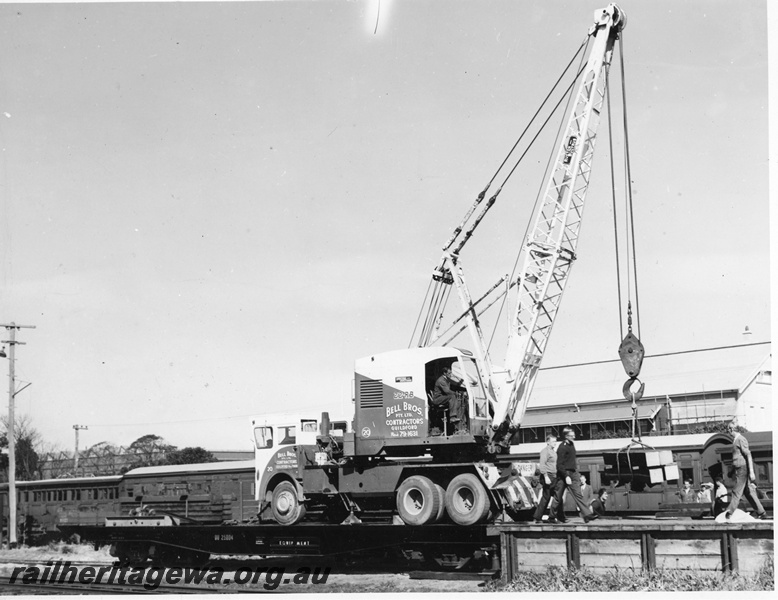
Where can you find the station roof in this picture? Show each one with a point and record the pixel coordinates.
(600, 414)
(729, 369)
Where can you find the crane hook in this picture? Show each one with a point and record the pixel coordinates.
(627, 390)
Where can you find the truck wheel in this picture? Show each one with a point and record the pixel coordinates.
(418, 502)
(285, 506)
(441, 492)
(466, 500)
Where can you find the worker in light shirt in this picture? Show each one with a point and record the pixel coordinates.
(547, 470)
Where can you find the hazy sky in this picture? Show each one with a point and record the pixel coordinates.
(209, 210)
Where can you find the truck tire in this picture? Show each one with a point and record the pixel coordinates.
(441, 492)
(285, 506)
(418, 502)
(466, 500)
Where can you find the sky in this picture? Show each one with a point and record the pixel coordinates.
(210, 210)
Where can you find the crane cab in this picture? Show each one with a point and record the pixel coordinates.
(393, 411)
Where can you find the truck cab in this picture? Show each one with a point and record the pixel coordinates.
(394, 414)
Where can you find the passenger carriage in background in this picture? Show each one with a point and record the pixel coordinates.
(210, 493)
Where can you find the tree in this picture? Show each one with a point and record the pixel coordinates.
(148, 451)
(190, 456)
(27, 439)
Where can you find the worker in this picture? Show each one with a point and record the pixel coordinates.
(447, 394)
(548, 475)
(598, 502)
(743, 465)
(586, 491)
(721, 497)
(703, 496)
(686, 493)
(568, 477)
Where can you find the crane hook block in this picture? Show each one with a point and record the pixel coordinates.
(631, 352)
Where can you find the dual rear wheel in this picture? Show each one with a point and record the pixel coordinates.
(420, 501)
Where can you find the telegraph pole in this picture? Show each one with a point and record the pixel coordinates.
(12, 327)
(75, 454)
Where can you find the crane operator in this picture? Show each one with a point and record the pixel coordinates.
(448, 394)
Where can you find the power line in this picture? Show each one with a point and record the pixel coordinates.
(602, 362)
(297, 410)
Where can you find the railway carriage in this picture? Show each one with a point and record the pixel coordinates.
(210, 493)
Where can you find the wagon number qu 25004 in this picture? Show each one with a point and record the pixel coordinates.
(223, 537)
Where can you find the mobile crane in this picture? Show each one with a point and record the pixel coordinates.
(400, 459)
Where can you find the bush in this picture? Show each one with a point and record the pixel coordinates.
(629, 580)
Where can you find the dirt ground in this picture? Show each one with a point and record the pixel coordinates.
(337, 581)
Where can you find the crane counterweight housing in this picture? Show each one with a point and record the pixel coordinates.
(403, 456)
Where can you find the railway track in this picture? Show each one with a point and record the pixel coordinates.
(220, 575)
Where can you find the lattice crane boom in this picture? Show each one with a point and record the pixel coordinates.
(550, 248)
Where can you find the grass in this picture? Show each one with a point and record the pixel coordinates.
(628, 580)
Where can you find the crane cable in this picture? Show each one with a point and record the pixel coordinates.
(435, 307)
(549, 162)
(493, 199)
(631, 350)
(482, 194)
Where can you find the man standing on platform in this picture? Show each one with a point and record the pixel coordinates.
(568, 477)
(586, 491)
(547, 476)
(744, 476)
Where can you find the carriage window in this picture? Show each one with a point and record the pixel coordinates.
(263, 437)
(762, 471)
(686, 474)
